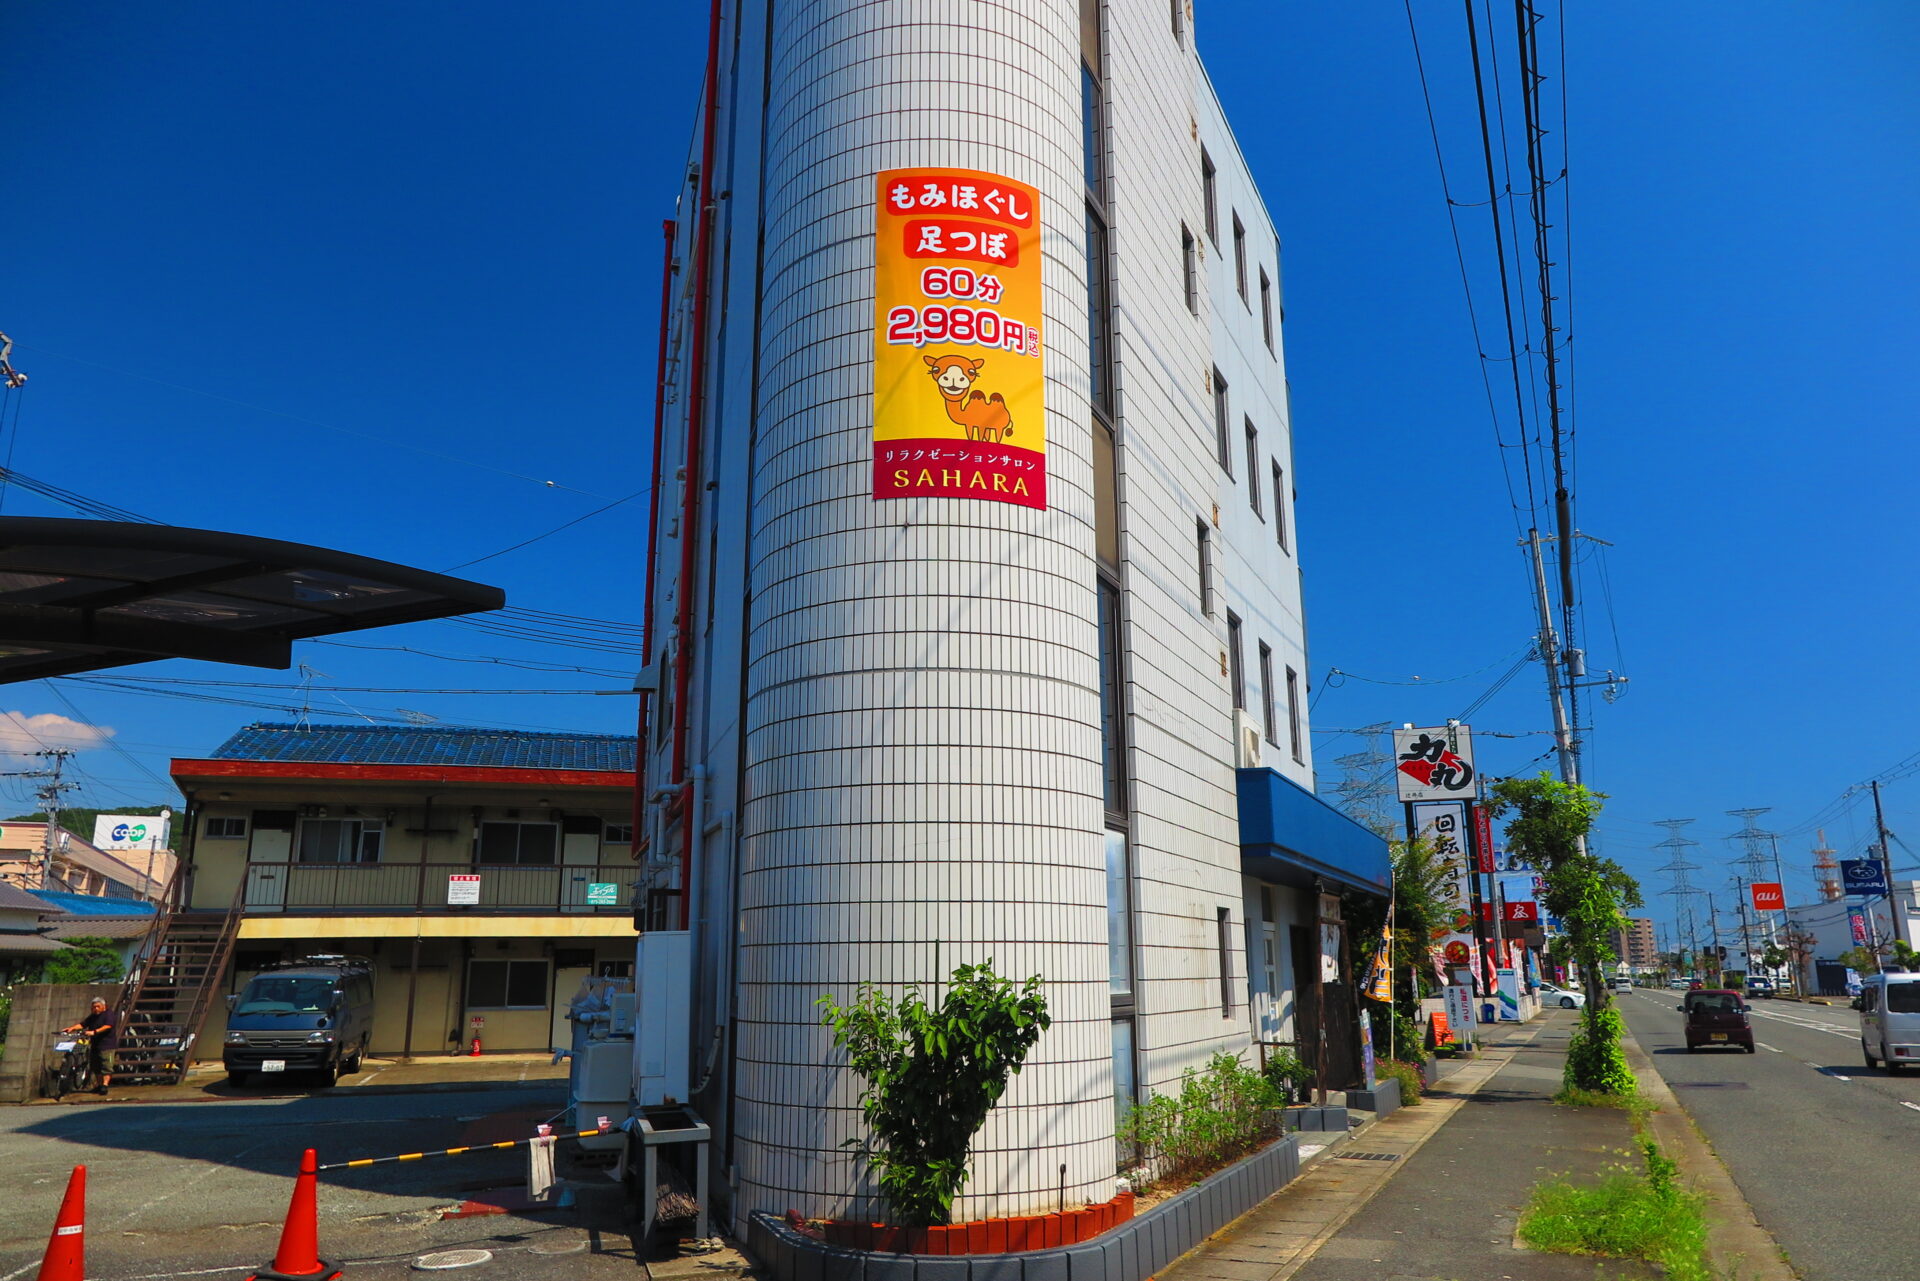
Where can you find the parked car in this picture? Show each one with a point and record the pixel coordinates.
(312, 1015)
(1622, 984)
(1565, 998)
(1717, 1017)
(1889, 1006)
(1681, 982)
(1759, 985)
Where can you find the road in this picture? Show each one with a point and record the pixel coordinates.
(1822, 1146)
(202, 1187)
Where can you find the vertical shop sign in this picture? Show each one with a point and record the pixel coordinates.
(957, 383)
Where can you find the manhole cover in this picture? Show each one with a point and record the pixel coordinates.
(446, 1259)
(1369, 1156)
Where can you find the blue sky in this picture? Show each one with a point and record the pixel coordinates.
(371, 284)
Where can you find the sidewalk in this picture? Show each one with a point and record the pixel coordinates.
(1451, 1207)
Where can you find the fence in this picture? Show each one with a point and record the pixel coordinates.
(415, 887)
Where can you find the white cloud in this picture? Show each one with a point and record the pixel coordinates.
(21, 734)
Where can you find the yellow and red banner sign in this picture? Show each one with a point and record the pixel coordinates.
(957, 384)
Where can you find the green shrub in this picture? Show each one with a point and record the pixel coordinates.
(1595, 1060)
(931, 1076)
(1627, 1215)
(6, 1012)
(85, 959)
(1412, 1084)
(1218, 1116)
(1288, 1074)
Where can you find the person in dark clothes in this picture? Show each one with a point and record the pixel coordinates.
(103, 1038)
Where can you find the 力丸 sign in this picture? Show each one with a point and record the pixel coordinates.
(1434, 764)
(957, 388)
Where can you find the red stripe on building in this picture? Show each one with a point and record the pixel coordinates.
(402, 773)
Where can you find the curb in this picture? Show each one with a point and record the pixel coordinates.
(1739, 1244)
(339, 1092)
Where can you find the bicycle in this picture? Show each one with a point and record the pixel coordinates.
(72, 1071)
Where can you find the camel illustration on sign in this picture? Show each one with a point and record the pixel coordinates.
(985, 417)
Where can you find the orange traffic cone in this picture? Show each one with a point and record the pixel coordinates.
(65, 1259)
(298, 1258)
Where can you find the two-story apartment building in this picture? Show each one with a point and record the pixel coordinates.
(483, 872)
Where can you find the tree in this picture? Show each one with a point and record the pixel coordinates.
(1421, 913)
(85, 959)
(1591, 895)
(931, 1076)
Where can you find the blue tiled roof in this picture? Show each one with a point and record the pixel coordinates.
(93, 904)
(428, 745)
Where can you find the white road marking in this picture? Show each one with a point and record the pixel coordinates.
(1914, 1106)
(1824, 1071)
(1763, 1045)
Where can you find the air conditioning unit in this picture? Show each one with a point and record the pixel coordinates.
(1247, 739)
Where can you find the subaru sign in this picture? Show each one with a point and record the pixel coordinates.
(1864, 876)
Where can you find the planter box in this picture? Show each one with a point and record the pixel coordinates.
(1131, 1249)
(1312, 1118)
(1382, 1099)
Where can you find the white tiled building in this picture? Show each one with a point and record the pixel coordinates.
(914, 732)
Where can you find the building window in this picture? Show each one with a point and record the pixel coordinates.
(1222, 441)
(1099, 315)
(522, 844)
(1224, 933)
(339, 840)
(617, 834)
(1119, 917)
(1253, 467)
(1113, 746)
(1209, 197)
(1280, 506)
(1190, 266)
(1240, 257)
(507, 985)
(1206, 568)
(1236, 666)
(1092, 144)
(226, 828)
(1180, 20)
(1106, 497)
(1293, 716)
(1266, 308)
(1269, 723)
(1123, 1085)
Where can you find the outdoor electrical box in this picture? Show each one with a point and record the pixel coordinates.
(662, 992)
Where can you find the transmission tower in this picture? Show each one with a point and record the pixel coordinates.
(1826, 872)
(1753, 867)
(1367, 776)
(1682, 889)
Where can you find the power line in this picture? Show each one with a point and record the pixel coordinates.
(528, 542)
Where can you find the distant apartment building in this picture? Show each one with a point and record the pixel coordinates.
(483, 872)
(69, 863)
(1636, 944)
(977, 615)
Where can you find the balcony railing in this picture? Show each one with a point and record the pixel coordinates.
(431, 887)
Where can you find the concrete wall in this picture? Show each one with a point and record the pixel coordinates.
(39, 1010)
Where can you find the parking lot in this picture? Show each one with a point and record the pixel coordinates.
(200, 1184)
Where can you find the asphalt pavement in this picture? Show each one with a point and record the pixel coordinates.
(199, 1187)
(1822, 1146)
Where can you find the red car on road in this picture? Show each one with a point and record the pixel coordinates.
(1717, 1017)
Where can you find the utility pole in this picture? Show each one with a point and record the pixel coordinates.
(49, 797)
(1550, 659)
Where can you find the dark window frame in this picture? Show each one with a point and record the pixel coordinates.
(1253, 467)
(1295, 739)
(519, 859)
(1205, 541)
(227, 832)
(1270, 723)
(368, 845)
(1223, 919)
(511, 984)
(1266, 308)
(1222, 419)
(1236, 661)
(1190, 268)
(1210, 196)
(1280, 507)
(1240, 257)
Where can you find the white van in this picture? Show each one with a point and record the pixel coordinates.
(1889, 1006)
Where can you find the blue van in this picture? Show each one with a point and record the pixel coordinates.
(312, 1015)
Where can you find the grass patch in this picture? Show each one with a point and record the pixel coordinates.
(1637, 1104)
(1629, 1214)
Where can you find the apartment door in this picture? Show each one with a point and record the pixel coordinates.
(579, 865)
(269, 859)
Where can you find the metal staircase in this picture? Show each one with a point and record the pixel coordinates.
(173, 985)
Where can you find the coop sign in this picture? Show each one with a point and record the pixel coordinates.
(957, 387)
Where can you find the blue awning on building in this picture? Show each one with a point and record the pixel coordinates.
(1290, 836)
